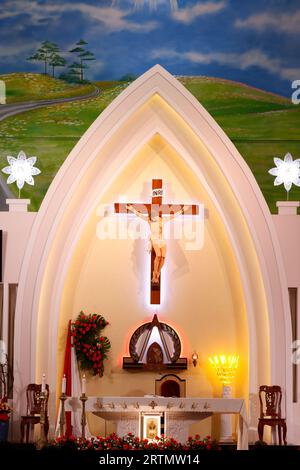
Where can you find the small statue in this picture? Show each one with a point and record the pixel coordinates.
(158, 243)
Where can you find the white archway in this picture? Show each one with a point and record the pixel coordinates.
(155, 103)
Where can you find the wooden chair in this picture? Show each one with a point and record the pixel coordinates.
(33, 393)
(270, 411)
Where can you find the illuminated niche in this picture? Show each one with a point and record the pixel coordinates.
(154, 346)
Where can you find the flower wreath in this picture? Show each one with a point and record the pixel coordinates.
(91, 348)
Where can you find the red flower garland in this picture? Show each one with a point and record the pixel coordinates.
(132, 442)
(91, 349)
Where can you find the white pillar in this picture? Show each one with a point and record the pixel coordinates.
(5, 314)
(18, 205)
(287, 207)
(226, 421)
(2, 92)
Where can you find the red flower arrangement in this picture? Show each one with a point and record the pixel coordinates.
(132, 442)
(91, 348)
(5, 410)
(193, 443)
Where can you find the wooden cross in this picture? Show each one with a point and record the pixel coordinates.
(156, 207)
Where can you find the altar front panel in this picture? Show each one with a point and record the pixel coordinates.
(179, 413)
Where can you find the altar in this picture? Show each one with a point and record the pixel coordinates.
(177, 414)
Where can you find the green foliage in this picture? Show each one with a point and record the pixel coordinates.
(81, 42)
(70, 77)
(49, 54)
(56, 61)
(83, 56)
(74, 73)
(46, 53)
(128, 77)
(261, 125)
(51, 133)
(91, 348)
(108, 84)
(34, 86)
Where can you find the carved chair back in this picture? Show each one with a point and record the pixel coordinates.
(33, 395)
(270, 401)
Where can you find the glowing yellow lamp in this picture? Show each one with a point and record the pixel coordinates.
(225, 367)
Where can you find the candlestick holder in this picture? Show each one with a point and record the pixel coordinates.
(62, 419)
(43, 438)
(83, 399)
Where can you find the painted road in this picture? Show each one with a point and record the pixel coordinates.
(7, 110)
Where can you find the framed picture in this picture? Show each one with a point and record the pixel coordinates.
(151, 425)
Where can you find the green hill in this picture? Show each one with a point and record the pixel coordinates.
(261, 125)
(34, 86)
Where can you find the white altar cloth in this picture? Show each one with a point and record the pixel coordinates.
(177, 411)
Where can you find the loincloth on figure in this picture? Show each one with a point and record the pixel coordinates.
(160, 242)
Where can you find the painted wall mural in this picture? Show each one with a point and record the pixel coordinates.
(239, 59)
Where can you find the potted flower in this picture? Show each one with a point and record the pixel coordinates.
(5, 410)
(6, 385)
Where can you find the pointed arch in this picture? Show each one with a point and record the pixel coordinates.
(154, 103)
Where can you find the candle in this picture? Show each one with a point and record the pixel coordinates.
(3, 356)
(43, 383)
(64, 384)
(83, 386)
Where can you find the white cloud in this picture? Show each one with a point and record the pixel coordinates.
(111, 18)
(281, 22)
(190, 13)
(152, 4)
(290, 74)
(114, 19)
(10, 54)
(17, 50)
(33, 12)
(243, 61)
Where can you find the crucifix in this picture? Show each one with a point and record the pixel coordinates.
(156, 214)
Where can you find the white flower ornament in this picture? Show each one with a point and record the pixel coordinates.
(287, 171)
(21, 170)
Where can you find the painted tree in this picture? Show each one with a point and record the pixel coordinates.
(83, 56)
(45, 53)
(56, 60)
(74, 72)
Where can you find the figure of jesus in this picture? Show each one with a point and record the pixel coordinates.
(158, 243)
(151, 429)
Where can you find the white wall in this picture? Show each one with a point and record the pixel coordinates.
(155, 103)
(16, 228)
(201, 290)
(288, 230)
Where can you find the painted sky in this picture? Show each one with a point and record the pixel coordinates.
(252, 41)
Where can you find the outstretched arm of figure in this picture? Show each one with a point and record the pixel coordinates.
(172, 216)
(130, 208)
